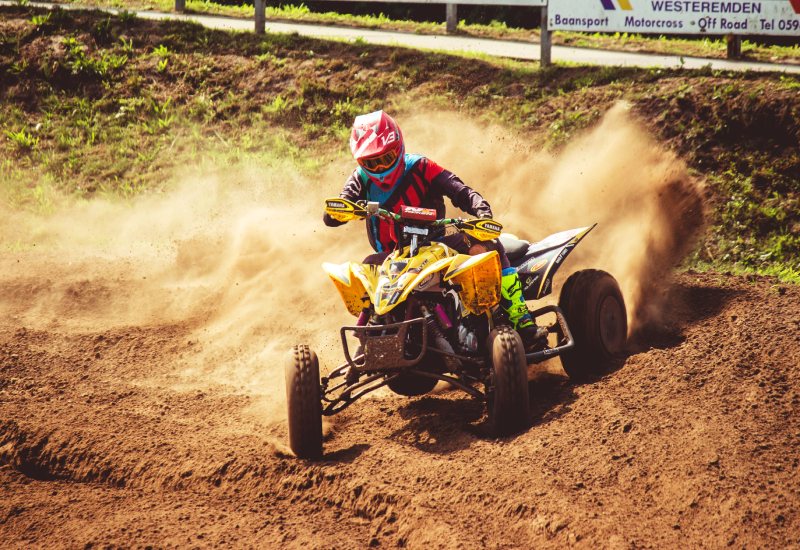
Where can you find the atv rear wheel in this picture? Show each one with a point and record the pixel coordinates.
(304, 403)
(595, 310)
(509, 402)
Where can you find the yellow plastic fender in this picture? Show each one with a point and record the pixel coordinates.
(479, 279)
(355, 283)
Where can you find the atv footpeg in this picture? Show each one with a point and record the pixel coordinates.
(565, 341)
(384, 346)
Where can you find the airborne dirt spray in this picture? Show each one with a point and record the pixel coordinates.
(233, 255)
(647, 207)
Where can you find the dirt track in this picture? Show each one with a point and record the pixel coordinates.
(693, 442)
(140, 339)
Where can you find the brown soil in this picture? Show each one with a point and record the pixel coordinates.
(693, 442)
(138, 405)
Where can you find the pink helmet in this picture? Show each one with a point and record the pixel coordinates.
(377, 145)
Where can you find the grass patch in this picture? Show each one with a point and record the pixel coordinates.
(22, 141)
(786, 274)
(711, 47)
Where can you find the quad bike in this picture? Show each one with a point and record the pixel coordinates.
(430, 314)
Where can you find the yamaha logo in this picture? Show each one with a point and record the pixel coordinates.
(335, 204)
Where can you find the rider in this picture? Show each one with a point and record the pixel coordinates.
(393, 178)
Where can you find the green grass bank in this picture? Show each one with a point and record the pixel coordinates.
(711, 47)
(93, 105)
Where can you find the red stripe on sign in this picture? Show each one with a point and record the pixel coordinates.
(796, 5)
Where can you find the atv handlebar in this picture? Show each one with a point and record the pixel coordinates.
(437, 223)
(344, 210)
(383, 213)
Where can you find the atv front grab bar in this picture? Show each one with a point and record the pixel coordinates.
(385, 351)
(377, 378)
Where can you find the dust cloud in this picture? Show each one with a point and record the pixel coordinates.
(232, 255)
(647, 206)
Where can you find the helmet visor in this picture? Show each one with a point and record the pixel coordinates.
(381, 163)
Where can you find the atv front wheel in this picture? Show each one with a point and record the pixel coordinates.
(595, 312)
(304, 403)
(509, 402)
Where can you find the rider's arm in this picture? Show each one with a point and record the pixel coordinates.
(353, 190)
(464, 197)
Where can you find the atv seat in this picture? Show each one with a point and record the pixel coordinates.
(515, 248)
(518, 250)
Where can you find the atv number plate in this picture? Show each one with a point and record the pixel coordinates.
(415, 230)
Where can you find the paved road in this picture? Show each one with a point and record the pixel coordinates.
(499, 48)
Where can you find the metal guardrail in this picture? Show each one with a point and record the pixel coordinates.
(451, 14)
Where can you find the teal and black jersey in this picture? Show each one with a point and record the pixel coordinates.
(424, 183)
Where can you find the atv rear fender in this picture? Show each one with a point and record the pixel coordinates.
(537, 268)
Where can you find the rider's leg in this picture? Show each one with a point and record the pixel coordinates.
(512, 300)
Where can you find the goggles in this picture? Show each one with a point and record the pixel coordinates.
(380, 163)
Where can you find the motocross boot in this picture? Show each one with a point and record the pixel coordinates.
(513, 303)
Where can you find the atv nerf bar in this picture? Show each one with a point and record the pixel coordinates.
(565, 343)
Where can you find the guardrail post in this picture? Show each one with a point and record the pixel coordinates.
(452, 17)
(260, 16)
(546, 41)
(734, 46)
(180, 5)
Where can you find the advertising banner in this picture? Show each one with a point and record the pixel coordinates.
(739, 17)
(525, 3)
